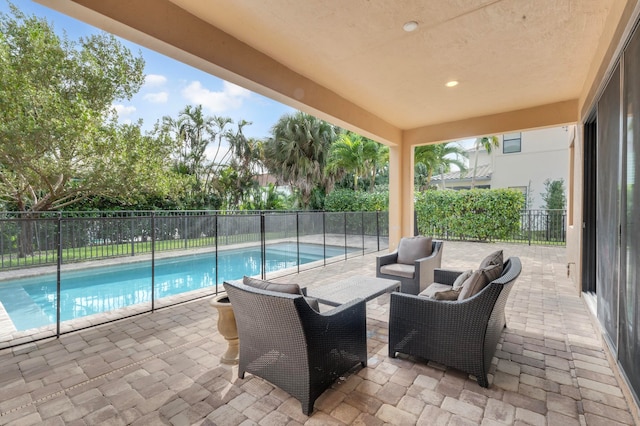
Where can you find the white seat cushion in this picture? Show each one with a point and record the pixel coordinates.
(399, 269)
(434, 288)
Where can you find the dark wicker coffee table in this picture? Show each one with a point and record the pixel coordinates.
(356, 287)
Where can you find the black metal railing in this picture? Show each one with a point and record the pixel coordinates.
(542, 227)
(60, 243)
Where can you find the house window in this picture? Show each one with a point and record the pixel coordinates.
(511, 142)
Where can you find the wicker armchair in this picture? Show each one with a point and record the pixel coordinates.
(413, 278)
(285, 341)
(460, 334)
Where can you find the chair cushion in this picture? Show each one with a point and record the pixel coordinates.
(495, 258)
(479, 279)
(281, 288)
(461, 279)
(399, 269)
(433, 289)
(472, 285)
(271, 286)
(447, 295)
(414, 248)
(491, 273)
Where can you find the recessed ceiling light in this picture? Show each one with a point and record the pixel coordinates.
(452, 83)
(410, 26)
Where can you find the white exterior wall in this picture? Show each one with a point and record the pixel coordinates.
(483, 158)
(544, 155)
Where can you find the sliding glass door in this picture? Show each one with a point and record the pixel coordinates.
(608, 207)
(629, 307)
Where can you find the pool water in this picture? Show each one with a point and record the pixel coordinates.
(31, 302)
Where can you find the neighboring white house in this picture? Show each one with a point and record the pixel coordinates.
(523, 161)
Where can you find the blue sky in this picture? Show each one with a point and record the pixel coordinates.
(171, 85)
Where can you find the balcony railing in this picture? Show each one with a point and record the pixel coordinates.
(40, 239)
(545, 227)
(59, 246)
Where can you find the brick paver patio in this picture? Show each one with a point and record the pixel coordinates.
(163, 368)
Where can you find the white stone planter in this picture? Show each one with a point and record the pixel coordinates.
(227, 327)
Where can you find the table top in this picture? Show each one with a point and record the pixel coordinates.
(355, 287)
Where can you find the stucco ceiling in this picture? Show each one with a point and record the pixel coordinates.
(358, 49)
(506, 54)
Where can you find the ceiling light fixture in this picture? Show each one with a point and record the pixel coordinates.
(410, 26)
(452, 83)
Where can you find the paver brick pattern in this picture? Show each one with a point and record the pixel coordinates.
(163, 367)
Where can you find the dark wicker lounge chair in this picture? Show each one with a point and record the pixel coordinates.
(285, 341)
(460, 334)
(415, 277)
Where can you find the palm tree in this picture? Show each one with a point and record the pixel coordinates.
(195, 133)
(437, 158)
(352, 153)
(488, 143)
(219, 133)
(298, 152)
(237, 179)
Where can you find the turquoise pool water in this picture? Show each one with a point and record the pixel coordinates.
(31, 302)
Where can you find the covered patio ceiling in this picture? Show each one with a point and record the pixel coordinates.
(519, 64)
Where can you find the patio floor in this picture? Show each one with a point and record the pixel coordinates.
(163, 368)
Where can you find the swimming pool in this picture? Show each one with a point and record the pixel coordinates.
(31, 302)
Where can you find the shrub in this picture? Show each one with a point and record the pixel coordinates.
(477, 214)
(347, 200)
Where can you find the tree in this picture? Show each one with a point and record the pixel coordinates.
(553, 196)
(554, 200)
(297, 153)
(192, 134)
(237, 182)
(352, 153)
(488, 143)
(436, 158)
(59, 138)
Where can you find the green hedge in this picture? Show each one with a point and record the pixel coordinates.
(347, 200)
(477, 214)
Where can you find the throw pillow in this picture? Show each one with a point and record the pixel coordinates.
(461, 279)
(472, 285)
(447, 295)
(414, 248)
(433, 289)
(495, 258)
(271, 286)
(491, 273)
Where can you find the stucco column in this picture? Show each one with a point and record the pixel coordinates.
(400, 193)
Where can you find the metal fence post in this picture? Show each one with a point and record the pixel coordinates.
(345, 235)
(263, 247)
(378, 228)
(58, 277)
(530, 231)
(184, 229)
(153, 261)
(298, 240)
(215, 236)
(133, 233)
(324, 237)
(362, 227)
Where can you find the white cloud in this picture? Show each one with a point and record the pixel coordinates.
(157, 98)
(154, 80)
(230, 97)
(124, 110)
